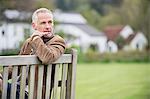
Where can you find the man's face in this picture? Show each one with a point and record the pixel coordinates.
(44, 24)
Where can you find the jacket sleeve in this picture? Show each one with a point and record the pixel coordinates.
(50, 51)
(26, 48)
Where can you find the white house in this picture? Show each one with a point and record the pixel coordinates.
(134, 41)
(83, 34)
(11, 34)
(139, 42)
(72, 24)
(126, 32)
(112, 47)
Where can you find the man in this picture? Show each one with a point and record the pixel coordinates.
(43, 43)
(47, 46)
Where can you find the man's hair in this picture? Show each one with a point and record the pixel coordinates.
(40, 10)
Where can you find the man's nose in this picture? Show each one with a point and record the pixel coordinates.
(48, 25)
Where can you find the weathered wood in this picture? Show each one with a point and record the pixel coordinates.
(73, 73)
(68, 89)
(14, 82)
(65, 67)
(48, 81)
(30, 59)
(31, 82)
(23, 82)
(63, 84)
(5, 80)
(56, 81)
(71, 77)
(40, 81)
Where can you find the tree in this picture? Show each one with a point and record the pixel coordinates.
(16, 4)
(137, 13)
(92, 16)
(50, 4)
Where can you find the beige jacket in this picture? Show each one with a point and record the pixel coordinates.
(47, 52)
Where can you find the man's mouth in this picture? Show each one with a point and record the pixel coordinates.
(47, 31)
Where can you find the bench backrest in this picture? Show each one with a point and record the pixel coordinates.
(65, 70)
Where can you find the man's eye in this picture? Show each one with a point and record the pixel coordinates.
(43, 22)
(50, 22)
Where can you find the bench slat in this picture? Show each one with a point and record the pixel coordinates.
(5, 81)
(40, 81)
(31, 82)
(56, 81)
(65, 70)
(71, 77)
(68, 89)
(23, 82)
(48, 81)
(30, 59)
(14, 82)
(64, 78)
(73, 74)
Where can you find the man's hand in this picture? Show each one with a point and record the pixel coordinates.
(37, 33)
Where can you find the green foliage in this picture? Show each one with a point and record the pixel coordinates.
(93, 17)
(136, 13)
(16, 4)
(9, 52)
(120, 42)
(61, 33)
(93, 47)
(92, 56)
(68, 49)
(26, 33)
(66, 4)
(67, 37)
(121, 56)
(45, 3)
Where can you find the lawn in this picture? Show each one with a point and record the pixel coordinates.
(113, 81)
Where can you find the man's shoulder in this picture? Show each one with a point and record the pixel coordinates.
(57, 37)
(28, 40)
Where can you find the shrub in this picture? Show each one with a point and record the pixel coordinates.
(9, 52)
(121, 56)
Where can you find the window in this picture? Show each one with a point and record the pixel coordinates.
(3, 33)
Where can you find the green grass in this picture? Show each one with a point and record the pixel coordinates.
(113, 81)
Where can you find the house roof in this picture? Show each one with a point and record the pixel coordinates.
(15, 15)
(89, 30)
(76, 20)
(112, 32)
(71, 17)
(130, 38)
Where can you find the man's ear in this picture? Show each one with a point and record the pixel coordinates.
(34, 26)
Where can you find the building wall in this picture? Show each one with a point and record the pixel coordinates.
(139, 42)
(112, 47)
(126, 31)
(11, 34)
(83, 40)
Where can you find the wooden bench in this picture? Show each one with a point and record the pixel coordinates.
(65, 70)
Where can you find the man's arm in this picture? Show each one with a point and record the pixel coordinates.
(26, 48)
(50, 51)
